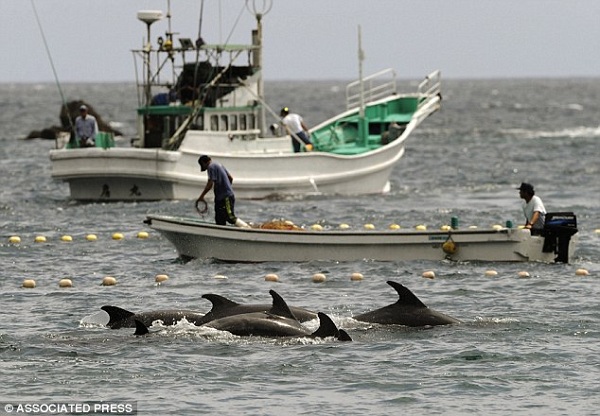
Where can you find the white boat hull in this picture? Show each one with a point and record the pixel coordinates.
(198, 239)
(156, 174)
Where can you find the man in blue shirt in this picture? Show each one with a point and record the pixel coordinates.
(86, 128)
(221, 180)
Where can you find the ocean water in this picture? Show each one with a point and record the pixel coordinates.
(525, 346)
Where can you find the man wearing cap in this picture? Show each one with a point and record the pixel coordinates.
(219, 179)
(533, 208)
(86, 128)
(294, 124)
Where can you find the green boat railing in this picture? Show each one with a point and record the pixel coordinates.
(104, 140)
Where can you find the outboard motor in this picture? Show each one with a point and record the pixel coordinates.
(557, 232)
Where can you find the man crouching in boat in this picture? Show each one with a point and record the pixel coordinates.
(221, 180)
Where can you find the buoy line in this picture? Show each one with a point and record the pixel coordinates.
(68, 238)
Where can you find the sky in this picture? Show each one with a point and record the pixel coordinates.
(91, 40)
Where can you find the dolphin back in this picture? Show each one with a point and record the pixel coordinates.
(119, 317)
(408, 310)
(223, 307)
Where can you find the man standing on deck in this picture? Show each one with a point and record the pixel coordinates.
(86, 128)
(294, 124)
(534, 210)
(221, 180)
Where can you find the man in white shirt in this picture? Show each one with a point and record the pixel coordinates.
(86, 128)
(294, 124)
(533, 208)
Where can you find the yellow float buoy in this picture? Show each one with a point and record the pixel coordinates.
(449, 247)
(472, 227)
(491, 273)
(597, 230)
(582, 272)
(118, 236)
(65, 283)
(29, 283)
(271, 277)
(369, 227)
(497, 227)
(316, 227)
(523, 274)
(220, 277)
(142, 235)
(421, 227)
(319, 278)
(66, 238)
(445, 227)
(109, 281)
(159, 278)
(344, 226)
(14, 239)
(40, 239)
(355, 277)
(394, 227)
(91, 237)
(429, 274)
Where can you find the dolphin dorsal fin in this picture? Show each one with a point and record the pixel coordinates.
(140, 328)
(405, 296)
(344, 336)
(116, 314)
(219, 302)
(327, 328)
(280, 307)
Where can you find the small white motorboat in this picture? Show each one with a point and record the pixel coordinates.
(194, 238)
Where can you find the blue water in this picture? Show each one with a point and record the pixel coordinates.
(525, 345)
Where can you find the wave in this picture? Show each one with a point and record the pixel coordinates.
(573, 133)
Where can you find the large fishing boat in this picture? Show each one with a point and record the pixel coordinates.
(212, 102)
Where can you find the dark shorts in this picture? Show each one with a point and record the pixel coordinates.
(224, 211)
(302, 136)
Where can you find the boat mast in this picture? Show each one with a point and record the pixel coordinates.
(148, 17)
(362, 125)
(257, 42)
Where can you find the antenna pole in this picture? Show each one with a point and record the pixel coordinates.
(362, 125)
(62, 96)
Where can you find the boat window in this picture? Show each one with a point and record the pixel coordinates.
(233, 122)
(224, 123)
(251, 121)
(214, 123)
(199, 124)
(242, 121)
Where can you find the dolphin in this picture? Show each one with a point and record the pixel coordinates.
(279, 321)
(122, 318)
(408, 311)
(265, 324)
(223, 307)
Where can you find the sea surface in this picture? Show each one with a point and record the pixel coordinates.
(525, 346)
